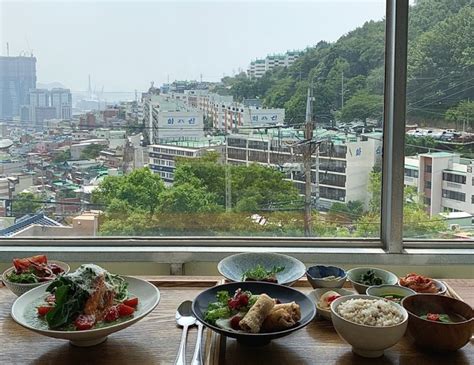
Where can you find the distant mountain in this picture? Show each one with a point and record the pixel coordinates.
(49, 85)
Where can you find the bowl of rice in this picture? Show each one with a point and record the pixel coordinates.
(369, 324)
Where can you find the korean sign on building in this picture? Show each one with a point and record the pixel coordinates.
(256, 117)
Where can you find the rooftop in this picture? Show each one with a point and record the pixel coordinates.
(27, 221)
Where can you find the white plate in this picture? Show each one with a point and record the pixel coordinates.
(24, 309)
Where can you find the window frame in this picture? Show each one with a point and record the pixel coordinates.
(390, 248)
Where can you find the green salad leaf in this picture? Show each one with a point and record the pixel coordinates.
(70, 300)
(26, 277)
(260, 273)
(218, 313)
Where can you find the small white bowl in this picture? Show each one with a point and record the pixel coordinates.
(21, 288)
(441, 288)
(316, 294)
(368, 341)
(381, 290)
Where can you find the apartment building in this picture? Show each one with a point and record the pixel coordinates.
(226, 114)
(340, 157)
(445, 181)
(258, 67)
(162, 156)
(168, 117)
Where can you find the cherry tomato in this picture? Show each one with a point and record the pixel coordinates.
(240, 299)
(21, 264)
(43, 310)
(132, 302)
(432, 317)
(38, 259)
(125, 310)
(84, 322)
(112, 314)
(234, 322)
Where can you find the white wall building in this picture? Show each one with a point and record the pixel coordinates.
(258, 67)
(445, 181)
(170, 118)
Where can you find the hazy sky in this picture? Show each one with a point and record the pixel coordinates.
(124, 45)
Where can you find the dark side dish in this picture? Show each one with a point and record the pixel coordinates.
(35, 269)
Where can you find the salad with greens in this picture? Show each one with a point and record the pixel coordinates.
(226, 306)
(34, 269)
(85, 298)
(259, 273)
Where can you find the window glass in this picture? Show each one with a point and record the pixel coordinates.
(439, 127)
(275, 113)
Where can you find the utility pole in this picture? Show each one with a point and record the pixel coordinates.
(228, 182)
(342, 89)
(307, 156)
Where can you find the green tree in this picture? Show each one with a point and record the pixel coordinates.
(188, 198)
(415, 145)
(25, 203)
(363, 106)
(92, 151)
(62, 156)
(463, 113)
(440, 61)
(140, 190)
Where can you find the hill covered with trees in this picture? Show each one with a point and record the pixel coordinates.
(440, 70)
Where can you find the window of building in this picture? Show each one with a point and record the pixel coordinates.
(460, 179)
(411, 173)
(455, 195)
(428, 168)
(427, 184)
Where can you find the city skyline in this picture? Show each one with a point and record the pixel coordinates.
(213, 50)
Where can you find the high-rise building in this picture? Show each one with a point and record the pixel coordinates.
(61, 99)
(38, 98)
(17, 77)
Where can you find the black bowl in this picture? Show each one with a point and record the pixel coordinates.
(284, 293)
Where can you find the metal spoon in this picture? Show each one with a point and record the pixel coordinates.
(184, 318)
(197, 357)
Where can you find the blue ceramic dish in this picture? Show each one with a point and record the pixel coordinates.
(233, 267)
(316, 276)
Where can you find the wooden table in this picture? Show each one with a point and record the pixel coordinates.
(155, 339)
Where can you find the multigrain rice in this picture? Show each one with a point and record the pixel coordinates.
(370, 312)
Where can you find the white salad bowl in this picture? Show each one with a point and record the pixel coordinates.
(368, 341)
(24, 313)
(21, 288)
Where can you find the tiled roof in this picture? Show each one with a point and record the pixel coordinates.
(26, 221)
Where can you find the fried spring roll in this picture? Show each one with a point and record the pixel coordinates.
(281, 317)
(292, 308)
(254, 318)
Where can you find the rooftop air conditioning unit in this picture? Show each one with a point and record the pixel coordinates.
(454, 227)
